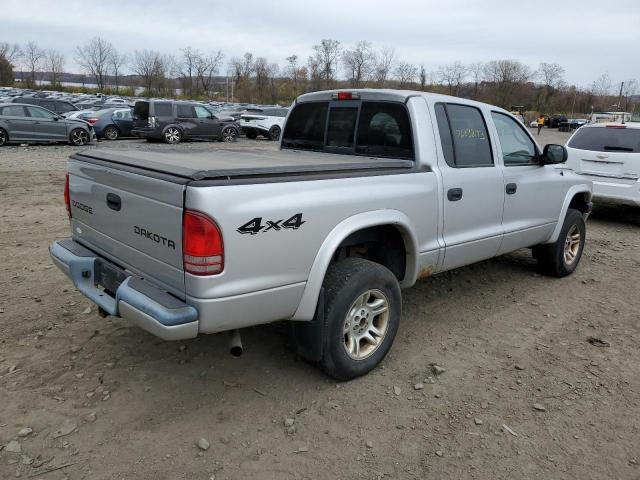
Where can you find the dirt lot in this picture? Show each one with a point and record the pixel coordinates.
(113, 402)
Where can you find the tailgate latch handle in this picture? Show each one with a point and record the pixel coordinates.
(114, 202)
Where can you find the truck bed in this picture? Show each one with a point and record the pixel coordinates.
(229, 164)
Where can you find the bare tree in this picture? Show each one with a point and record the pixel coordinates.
(551, 74)
(326, 56)
(10, 52)
(602, 85)
(359, 63)
(504, 76)
(188, 64)
(631, 89)
(55, 65)
(94, 57)
(117, 61)
(385, 63)
(207, 67)
(452, 76)
(423, 77)
(33, 57)
(406, 74)
(150, 67)
(476, 70)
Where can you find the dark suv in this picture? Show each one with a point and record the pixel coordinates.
(56, 106)
(173, 121)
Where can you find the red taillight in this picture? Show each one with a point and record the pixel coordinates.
(91, 121)
(616, 126)
(67, 197)
(202, 246)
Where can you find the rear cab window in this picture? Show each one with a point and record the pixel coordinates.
(371, 128)
(607, 139)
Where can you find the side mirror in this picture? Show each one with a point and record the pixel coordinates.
(553, 154)
(55, 119)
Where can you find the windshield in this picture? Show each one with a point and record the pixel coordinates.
(375, 129)
(607, 139)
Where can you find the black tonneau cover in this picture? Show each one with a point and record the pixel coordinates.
(230, 163)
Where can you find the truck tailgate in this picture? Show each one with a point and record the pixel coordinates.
(132, 219)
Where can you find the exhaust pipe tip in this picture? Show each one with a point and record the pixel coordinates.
(235, 343)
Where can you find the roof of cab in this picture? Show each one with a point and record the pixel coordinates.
(391, 95)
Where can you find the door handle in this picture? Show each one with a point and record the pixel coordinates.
(114, 202)
(454, 194)
(511, 188)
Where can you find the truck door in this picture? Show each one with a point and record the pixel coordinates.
(473, 186)
(534, 193)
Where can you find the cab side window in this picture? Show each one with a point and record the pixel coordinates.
(38, 112)
(202, 112)
(517, 147)
(464, 136)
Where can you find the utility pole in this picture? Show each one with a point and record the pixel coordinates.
(620, 96)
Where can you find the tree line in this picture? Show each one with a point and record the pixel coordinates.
(250, 78)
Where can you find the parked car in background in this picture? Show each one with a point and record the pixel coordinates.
(111, 123)
(553, 121)
(29, 123)
(265, 122)
(609, 155)
(174, 121)
(56, 106)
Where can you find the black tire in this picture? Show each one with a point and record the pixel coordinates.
(4, 137)
(229, 134)
(274, 133)
(111, 133)
(172, 135)
(79, 137)
(561, 258)
(251, 134)
(346, 283)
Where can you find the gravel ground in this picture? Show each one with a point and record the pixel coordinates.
(523, 394)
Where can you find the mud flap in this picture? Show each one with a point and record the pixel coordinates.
(308, 338)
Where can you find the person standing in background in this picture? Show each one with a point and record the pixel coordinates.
(540, 123)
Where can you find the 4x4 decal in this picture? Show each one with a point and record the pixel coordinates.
(255, 225)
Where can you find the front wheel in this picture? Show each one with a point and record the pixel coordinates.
(172, 135)
(4, 138)
(229, 134)
(561, 258)
(362, 305)
(274, 133)
(79, 137)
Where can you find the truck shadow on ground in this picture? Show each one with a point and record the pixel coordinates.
(616, 214)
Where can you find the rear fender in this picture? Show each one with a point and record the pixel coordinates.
(307, 306)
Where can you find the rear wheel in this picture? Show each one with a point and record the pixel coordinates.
(4, 137)
(561, 258)
(79, 137)
(172, 135)
(111, 133)
(274, 133)
(229, 134)
(362, 313)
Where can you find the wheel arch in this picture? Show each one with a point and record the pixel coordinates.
(343, 232)
(578, 197)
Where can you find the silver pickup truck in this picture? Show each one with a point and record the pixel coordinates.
(370, 191)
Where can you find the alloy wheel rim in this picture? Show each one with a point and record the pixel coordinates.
(79, 137)
(366, 324)
(112, 134)
(172, 135)
(228, 135)
(572, 245)
(3, 138)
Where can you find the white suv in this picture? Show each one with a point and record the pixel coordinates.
(266, 122)
(609, 155)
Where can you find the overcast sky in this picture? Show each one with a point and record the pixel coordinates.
(587, 37)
